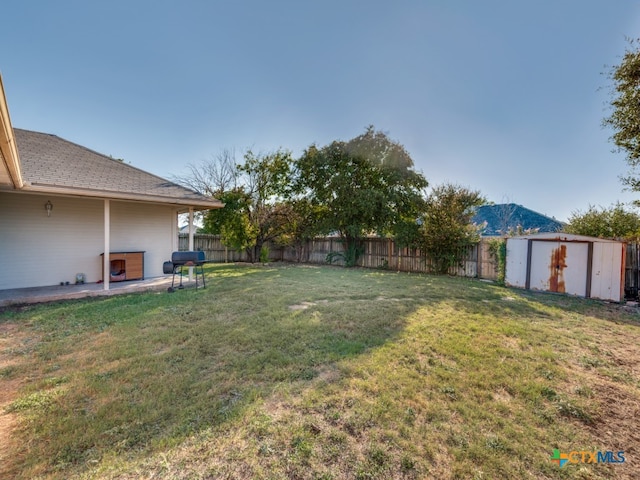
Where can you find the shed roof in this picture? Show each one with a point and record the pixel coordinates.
(51, 164)
(563, 237)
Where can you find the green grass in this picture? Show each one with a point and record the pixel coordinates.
(319, 373)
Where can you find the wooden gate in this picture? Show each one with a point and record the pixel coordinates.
(631, 273)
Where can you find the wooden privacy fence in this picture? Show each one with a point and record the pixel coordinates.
(378, 253)
(382, 253)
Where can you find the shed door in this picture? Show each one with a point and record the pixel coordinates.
(559, 267)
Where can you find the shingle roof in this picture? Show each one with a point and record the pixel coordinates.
(50, 163)
(502, 217)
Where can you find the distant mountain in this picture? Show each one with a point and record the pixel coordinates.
(502, 218)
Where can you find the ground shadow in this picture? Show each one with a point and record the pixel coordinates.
(135, 372)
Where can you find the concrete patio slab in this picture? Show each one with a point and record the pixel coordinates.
(20, 296)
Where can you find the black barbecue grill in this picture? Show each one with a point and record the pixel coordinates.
(179, 260)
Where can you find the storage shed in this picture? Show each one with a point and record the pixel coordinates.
(574, 264)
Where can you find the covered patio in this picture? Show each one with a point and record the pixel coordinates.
(22, 296)
(68, 211)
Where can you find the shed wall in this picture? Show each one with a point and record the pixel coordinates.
(607, 280)
(516, 266)
(607, 266)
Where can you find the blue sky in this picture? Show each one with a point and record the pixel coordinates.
(503, 96)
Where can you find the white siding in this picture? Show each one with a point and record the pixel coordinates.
(152, 228)
(36, 250)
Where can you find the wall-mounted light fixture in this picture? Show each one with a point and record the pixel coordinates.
(48, 207)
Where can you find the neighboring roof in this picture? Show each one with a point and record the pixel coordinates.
(503, 217)
(53, 165)
(185, 228)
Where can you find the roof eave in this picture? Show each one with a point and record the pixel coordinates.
(198, 204)
(8, 142)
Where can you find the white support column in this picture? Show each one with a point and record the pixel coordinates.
(191, 229)
(175, 228)
(191, 242)
(106, 266)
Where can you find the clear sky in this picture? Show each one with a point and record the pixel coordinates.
(503, 96)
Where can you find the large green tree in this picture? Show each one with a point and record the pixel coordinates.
(265, 181)
(365, 186)
(612, 222)
(446, 225)
(300, 225)
(625, 111)
(379, 149)
(253, 193)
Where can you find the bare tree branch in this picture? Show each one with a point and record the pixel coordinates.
(212, 177)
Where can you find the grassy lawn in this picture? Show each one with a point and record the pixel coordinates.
(319, 373)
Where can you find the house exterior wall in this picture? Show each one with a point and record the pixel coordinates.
(152, 228)
(36, 250)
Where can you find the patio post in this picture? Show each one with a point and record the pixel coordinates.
(106, 266)
(191, 243)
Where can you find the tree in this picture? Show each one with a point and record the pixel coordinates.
(252, 193)
(267, 181)
(300, 225)
(230, 221)
(612, 222)
(504, 213)
(356, 190)
(213, 177)
(446, 225)
(381, 151)
(216, 178)
(407, 197)
(625, 115)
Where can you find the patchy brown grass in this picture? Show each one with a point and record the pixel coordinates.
(343, 374)
(14, 347)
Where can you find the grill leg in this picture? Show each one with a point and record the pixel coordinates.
(180, 286)
(204, 284)
(201, 272)
(188, 265)
(173, 279)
